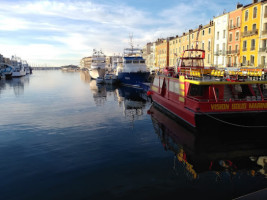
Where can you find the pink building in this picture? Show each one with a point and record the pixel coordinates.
(234, 31)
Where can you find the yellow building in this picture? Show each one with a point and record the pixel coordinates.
(206, 42)
(173, 51)
(251, 15)
(162, 53)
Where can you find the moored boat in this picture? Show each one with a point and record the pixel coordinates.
(212, 100)
(6, 70)
(98, 66)
(133, 70)
(110, 79)
(99, 80)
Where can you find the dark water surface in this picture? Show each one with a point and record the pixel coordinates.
(64, 137)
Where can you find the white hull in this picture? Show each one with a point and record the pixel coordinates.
(19, 74)
(94, 73)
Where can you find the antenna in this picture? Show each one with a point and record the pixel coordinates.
(131, 40)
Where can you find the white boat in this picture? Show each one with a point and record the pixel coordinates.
(99, 80)
(19, 67)
(110, 79)
(98, 66)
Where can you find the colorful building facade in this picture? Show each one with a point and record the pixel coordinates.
(234, 33)
(262, 53)
(251, 15)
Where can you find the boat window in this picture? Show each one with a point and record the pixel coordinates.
(186, 63)
(197, 63)
(174, 87)
(156, 82)
(135, 61)
(196, 90)
(128, 61)
(142, 61)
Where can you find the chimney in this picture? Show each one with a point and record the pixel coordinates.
(200, 26)
(190, 31)
(254, 1)
(239, 5)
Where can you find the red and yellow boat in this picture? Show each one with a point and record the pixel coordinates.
(213, 99)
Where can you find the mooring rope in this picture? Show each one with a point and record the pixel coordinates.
(232, 124)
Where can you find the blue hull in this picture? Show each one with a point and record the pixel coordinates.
(133, 78)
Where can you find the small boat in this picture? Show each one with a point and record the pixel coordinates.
(213, 100)
(19, 66)
(99, 80)
(110, 79)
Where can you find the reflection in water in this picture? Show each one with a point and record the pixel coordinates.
(132, 100)
(85, 76)
(99, 92)
(16, 83)
(196, 154)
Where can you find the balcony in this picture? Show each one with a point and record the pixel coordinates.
(220, 52)
(264, 49)
(250, 33)
(252, 48)
(265, 15)
(234, 26)
(264, 32)
(233, 52)
(244, 49)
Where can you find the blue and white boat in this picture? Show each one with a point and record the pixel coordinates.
(133, 71)
(6, 70)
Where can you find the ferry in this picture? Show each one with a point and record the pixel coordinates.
(212, 99)
(133, 71)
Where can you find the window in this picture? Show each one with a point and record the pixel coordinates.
(265, 27)
(203, 32)
(244, 60)
(252, 60)
(238, 21)
(236, 36)
(223, 47)
(223, 33)
(203, 45)
(209, 45)
(245, 29)
(252, 44)
(265, 12)
(209, 30)
(230, 49)
(246, 15)
(208, 58)
(236, 48)
(254, 12)
(254, 27)
(192, 35)
(244, 45)
(218, 34)
(187, 47)
(231, 23)
(230, 37)
(217, 47)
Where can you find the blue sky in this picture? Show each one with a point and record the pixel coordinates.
(57, 32)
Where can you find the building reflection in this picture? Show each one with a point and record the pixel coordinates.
(219, 154)
(85, 76)
(17, 84)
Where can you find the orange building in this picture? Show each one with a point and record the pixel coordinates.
(162, 53)
(234, 31)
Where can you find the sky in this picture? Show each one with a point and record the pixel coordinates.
(62, 32)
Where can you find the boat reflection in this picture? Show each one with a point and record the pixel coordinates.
(132, 100)
(17, 84)
(219, 154)
(99, 92)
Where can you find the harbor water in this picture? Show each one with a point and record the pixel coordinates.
(62, 136)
